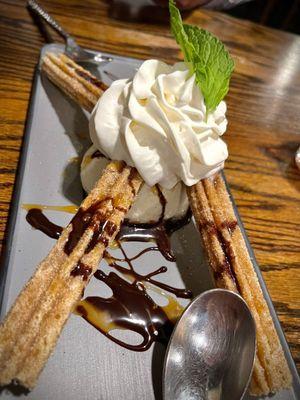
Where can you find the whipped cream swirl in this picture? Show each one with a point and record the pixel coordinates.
(157, 123)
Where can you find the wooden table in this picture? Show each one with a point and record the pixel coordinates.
(263, 110)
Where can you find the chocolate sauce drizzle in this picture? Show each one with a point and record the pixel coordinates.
(97, 154)
(226, 267)
(130, 307)
(82, 270)
(38, 220)
(89, 78)
(94, 218)
(163, 203)
(158, 232)
(112, 262)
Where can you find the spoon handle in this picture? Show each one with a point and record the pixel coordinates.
(35, 7)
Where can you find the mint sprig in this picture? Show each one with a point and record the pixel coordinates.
(206, 56)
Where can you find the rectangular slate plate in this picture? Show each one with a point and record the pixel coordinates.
(85, 364)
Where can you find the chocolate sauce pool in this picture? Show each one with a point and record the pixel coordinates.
(130, 307)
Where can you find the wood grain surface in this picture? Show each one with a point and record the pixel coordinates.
(263, 113)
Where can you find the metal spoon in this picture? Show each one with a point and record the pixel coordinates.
(211, 352)
(72, 49)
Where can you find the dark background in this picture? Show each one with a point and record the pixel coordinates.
(280, 14)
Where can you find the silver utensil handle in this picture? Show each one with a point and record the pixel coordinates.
(34, 6)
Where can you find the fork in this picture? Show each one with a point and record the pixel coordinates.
(72, 49)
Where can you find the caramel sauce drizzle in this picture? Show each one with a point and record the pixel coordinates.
(71, 209)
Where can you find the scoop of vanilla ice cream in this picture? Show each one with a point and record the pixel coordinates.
(147, 207)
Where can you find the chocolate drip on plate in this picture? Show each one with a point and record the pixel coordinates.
(112, 261)
(159, 233)
(146, 233)
(92, 217)
(38, 220)
(131, 307)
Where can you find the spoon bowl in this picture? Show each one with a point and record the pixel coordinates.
(211, 351)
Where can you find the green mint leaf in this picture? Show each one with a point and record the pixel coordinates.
(207, 57)
(179, 32)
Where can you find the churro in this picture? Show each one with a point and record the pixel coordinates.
(49, 297)
(78, 83)
(31, 329)
(232, 269)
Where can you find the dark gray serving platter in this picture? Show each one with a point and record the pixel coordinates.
(85, 364)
